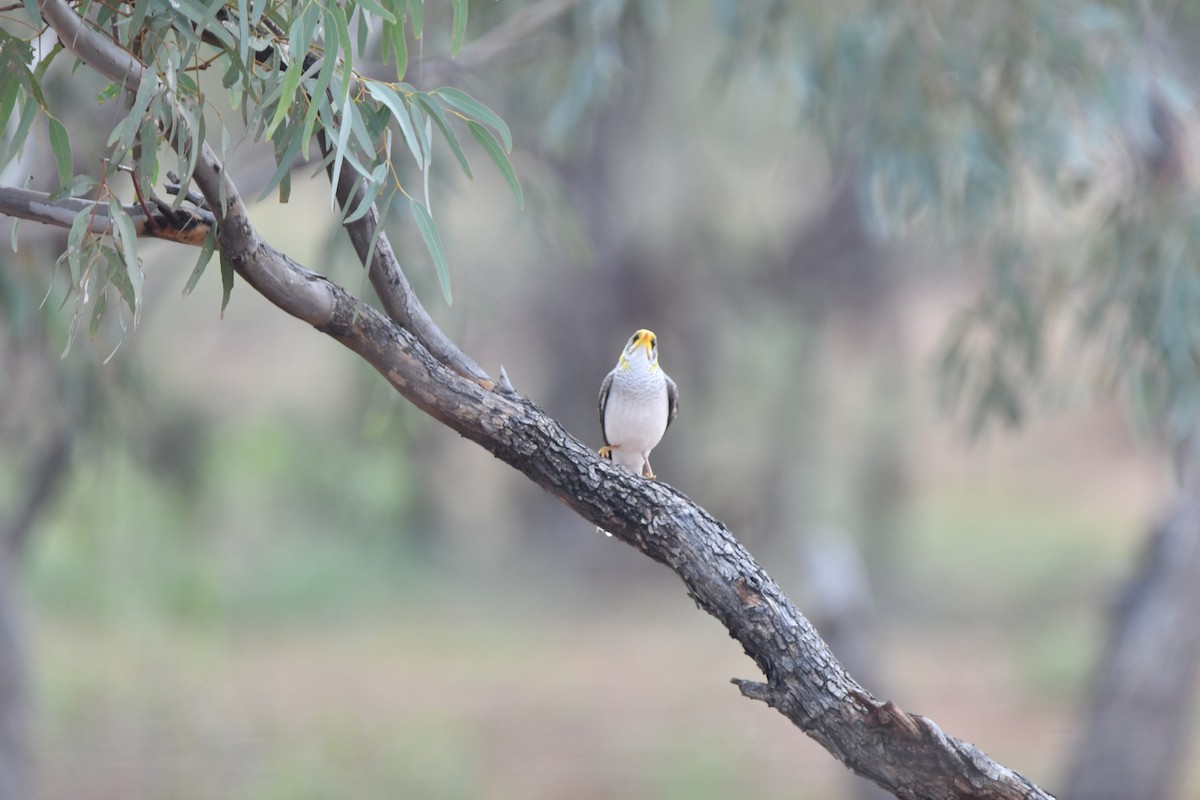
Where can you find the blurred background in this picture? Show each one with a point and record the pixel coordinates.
(898, 258)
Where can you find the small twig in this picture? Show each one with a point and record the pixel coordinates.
(191, 195)
(505, 383)
(137, 190)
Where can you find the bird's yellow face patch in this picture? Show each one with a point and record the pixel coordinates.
(644, 339)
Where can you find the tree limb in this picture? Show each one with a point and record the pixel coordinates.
(186, 226)
(904, 753)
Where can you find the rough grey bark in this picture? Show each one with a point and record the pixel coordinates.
(1134, 729)
(905, 753)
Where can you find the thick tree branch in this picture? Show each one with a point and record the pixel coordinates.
(904, 753)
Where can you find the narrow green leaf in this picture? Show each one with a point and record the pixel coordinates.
(369, 192)
(75, 240)
(335, 23)
(203, 15)
(39, 72)
(134, 25)
(317, 100)
(384, 207)
(98, 314)
(291, 79)
(29, 112)
(16, 226)
(361, 134)
(129, 254)
(459, 28)
(120, 278)
(132, 123)
(148, 155)
(433, 242)
(339, 151)
(416, 10)
(60, 143)
(243, 13)
(9, 87)
(226, 282)
(473, 109)
(395, 35)
(378, 10)
(285, 155)
(206, 251)
(362, 30)
(81, 185)
(394, 103)
(434, 112)
(493, 149)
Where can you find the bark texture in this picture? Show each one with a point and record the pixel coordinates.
(907, 754)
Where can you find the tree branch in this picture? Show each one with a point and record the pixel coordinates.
(904, 753)
(186, 226)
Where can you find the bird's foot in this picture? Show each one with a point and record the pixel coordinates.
(606, 451)
(647, 472)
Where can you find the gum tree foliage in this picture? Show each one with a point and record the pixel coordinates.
(315, 80)
(1017, 133)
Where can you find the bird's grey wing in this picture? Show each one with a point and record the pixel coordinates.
(604, 389)
(672, 400)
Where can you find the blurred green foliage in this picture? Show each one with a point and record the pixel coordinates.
(1000, 129)
(279, 528)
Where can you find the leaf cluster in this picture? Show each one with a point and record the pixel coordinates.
(993, 127)
(295, 73)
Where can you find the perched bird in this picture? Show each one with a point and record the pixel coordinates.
(637, 403)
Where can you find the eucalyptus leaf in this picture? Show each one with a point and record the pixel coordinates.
(499, 158)
(227, 273)
(394, 103)
(434, 112)
(60, 144)
(433, 242)
(473, 109)
(206, 252)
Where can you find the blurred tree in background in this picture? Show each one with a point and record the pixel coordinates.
(771, 186)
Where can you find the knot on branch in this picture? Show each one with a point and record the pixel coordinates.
(887, 715)
(748, 589)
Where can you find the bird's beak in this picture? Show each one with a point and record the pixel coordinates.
(643, 340)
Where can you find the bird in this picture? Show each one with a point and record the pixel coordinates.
(638, 401)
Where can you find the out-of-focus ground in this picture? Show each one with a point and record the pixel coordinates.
(263, 654)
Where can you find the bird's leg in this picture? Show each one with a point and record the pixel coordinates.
(647, 471)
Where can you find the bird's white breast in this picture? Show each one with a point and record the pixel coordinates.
(636, 415)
